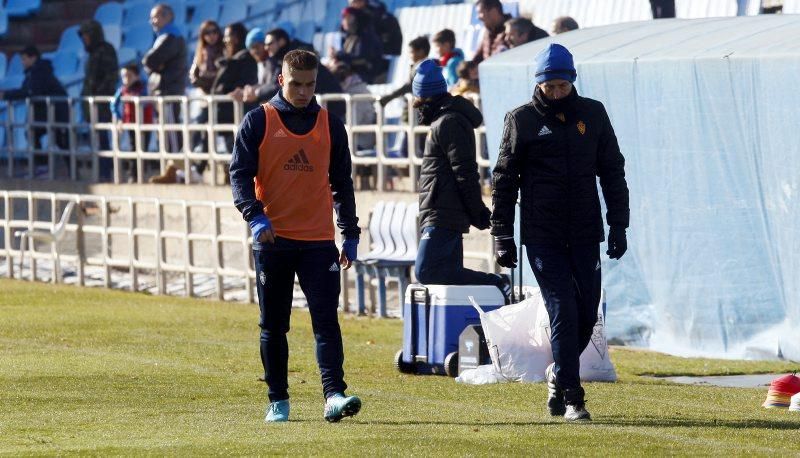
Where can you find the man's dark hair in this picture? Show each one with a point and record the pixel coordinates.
(420, 43)
(279, 34)
(31, 51)
(564, 24)
(490, 4)
(464, 68)
(132, 67)
(521, 25)
(445, 36)
(239, 31)
(300, 59)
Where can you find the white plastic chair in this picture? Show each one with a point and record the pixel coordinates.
(53, 236)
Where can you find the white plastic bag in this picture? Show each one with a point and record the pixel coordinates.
(481, 375)
(518, 345)
(794, 404)
(518, 337)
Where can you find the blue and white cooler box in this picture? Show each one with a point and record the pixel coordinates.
(433, 318)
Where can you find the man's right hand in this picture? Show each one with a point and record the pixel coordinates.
(262, 230)
(505, 251)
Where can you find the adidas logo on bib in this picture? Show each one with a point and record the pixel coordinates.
(545, 131)
(333, 268)
(299, 163)
(280, 134)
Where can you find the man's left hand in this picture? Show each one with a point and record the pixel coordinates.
(617, 242)
(349, 253)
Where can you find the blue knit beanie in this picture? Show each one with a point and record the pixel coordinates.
(428, 81)
(254, 36)
(555, 63)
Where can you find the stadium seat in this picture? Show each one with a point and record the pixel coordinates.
(71, 41)
(113, 35)
(205, 11)
(232, 12)
(22, 8)
(179, 9)
(261, 8)
(14, 74)
(136, 14)
(139, 38)
(125, 55)
(305, 31)
(109, 14)
(3, 22)
(66, 67)
(3, 65)
(316, 11)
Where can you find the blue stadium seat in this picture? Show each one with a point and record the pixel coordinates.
(109, 13)
(66, 65)
(179, 9)
(136, 14)
(232, 12)
(139, 38)
(205, 11)
(71, 41)
(125, 55)
(316, 11)
(3, 65)
(113, 34)
(14, 74)
(22, 8)
(305, 31)
(259, 7)
(3, 22)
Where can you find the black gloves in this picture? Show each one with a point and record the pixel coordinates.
(484, 221)
(505, 252)
(617, 242)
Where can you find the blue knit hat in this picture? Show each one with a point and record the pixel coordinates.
(555, 63)
(428, 81)
(254, 36)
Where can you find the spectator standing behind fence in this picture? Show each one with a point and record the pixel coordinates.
(40, 81)
(520, 31)
(100, 78)
(490, 12)
(449, 185)
(165, 64)
(203, 72)
(387, 29)
(363, 112)
(564, 24)
(125, 112)
(449, 55)
(418, 50)
(360, 45)
(468, 82)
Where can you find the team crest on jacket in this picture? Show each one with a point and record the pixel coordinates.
(581, 127)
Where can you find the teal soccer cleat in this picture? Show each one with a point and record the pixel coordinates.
(277, 411)
(339, 406)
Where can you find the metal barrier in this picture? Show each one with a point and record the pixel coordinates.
(133, 237)
(94, 148)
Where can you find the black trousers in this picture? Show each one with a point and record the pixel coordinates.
(317, 267)
(569, 277)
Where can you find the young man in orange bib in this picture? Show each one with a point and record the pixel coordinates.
(290, 169)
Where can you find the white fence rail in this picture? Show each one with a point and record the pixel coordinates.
(164, 242)
(39, 131)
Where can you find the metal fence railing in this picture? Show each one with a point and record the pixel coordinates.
(41, 136)
(141, 244)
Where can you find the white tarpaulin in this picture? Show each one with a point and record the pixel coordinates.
(706, 115)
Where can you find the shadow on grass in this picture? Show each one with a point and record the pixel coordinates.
(692, 423)
(473, 424)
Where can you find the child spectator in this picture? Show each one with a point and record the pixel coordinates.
(449, 55)
(125, 112)
(467, 79)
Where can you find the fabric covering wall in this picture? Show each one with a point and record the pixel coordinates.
(706, 115)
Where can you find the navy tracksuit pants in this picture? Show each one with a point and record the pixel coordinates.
(440, 260)
(569, 277)
(317, 267)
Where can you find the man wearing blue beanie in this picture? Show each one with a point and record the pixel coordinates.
(551, 151)
(450, 192)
